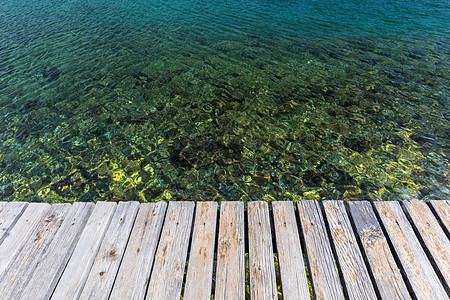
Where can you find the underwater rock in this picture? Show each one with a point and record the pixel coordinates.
(51, 73)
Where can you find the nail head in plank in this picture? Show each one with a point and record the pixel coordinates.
(382, 263)
(19, 234)
(13, 281)
(51, 265)
(136, 266)
(354, 271)
(431, 233)
(424, 281)
(324, 273)
(292, 267)
(77, 270)
(9, 215)
(263, 284)
(168, 271)
(442, 208)
(230, 270)
(106, 264)
(201, 258)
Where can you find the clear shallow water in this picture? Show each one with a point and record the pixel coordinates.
(208, 100)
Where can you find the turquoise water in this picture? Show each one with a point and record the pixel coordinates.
(224, 100)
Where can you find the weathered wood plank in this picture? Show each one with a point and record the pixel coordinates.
(17, 275)
(354, 271)
(263, 283)
(230, 270)
(323, 270)
(424, 281)
(431, 233)
(134, 272)
(167, 278)
(292, 267)
(9, 215)
(77, 269)
(384, 269)
(51, 265)
(442, 208)
(201, 256)
(19, 234)
(104, 270)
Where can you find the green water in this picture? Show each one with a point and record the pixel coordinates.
(233, 100)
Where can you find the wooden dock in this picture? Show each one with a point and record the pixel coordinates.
(256, 250)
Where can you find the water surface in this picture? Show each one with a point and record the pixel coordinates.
(224, 100)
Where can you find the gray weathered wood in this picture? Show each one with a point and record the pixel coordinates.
(167, 277)
(19, 234)
(134, 272)
(75, 274)
(431, 233)
(17, 275)
(51, 265)
(263, 283)
(351, 262)
(104, 270)
(382, 263)
(323, 270)
(292, 267)
(230, 270)
(9, 215)
(424, 281)
(2, 204)
(442, 208)
(201, 256)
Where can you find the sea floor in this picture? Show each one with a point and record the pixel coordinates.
(94, 108)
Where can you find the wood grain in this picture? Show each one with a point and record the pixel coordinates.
(201, 258)
(230, 271)
(20, 233)
(424, 281)
(134, 273)
(167, 278)
(382, 263)
(14, 279)
(324, 273)
(51, 265)
(294, 283)
(77, 269)
(431, 233)
(9, 215)
(354, 270)
(106, 264)
(263, 284)
(442, 208)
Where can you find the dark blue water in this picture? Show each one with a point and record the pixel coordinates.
(232, 100)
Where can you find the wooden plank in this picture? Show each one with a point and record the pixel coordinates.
(354, 271)
(292, 267)
(17, 275)
(431, 233)
(384, 269)
(323, 270)
(201, 258)
(263, 283)
(442, 208)
(77, 269)
(424, 281)
(134, 272)
(9, 215)
(104, 270)
(20, 233)
(230, 270)
(52, 264)
(167, 277)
